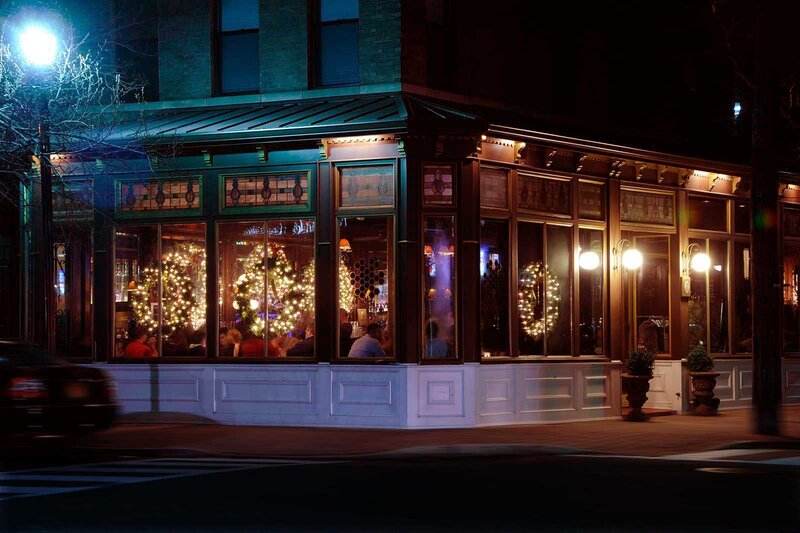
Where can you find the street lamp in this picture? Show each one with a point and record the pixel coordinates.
(39, 47)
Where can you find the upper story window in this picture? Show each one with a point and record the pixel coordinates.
(337, 57)
(238, 58)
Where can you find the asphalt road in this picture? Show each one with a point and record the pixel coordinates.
(447, 493)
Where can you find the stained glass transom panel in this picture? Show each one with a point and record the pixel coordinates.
(366, 186)
(159, 195)
(438, 184)
(494, 188)
(544, 195)
(289, 188)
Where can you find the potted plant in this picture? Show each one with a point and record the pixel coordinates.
(704, 379)
(636, 382)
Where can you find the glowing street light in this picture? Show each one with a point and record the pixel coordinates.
(632, 259)
(38, 46)
(700, 262)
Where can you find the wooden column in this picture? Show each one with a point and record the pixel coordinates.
(679, 322)
(766, 276)
(210, 209)
(408, 277)
(327, 308)
(616, 310)
(469, 226)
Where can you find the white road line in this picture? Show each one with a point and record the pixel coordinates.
(718, 454)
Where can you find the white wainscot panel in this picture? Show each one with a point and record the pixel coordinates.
(441, 393)
(791, 373)
(745, 382)
(596, 392)
(157, 388)
(270, 391)
(496, 393)
(724, 389)
(367, 392)
(547, 388)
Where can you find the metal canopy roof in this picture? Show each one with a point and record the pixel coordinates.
(297, 119)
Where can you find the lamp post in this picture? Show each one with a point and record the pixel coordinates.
(39, 47)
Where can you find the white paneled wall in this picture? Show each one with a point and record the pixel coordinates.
(395, 396)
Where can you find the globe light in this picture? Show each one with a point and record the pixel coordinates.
(632, 259)
(38, 45)
(700, 262)
(589, 260)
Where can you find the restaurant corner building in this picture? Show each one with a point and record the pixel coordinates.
(492, 254)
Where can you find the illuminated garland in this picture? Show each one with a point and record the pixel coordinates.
(142, 294)
(347, 293)
(531, 282)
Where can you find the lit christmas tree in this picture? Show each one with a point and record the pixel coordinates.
(183, 302)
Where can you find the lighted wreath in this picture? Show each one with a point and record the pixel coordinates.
(538, 287)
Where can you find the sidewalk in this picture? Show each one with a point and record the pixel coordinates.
(663, 435)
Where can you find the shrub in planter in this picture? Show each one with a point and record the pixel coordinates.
(636, 381)
(704, 379)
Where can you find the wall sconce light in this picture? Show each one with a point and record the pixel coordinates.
(692, 257)
(625, 255)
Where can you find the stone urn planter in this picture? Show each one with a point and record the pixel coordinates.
(636, 382)
(704, 379)
(636, 388)
(703, 401)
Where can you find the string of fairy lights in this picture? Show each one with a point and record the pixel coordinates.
(539, 297)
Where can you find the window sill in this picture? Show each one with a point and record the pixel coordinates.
(559, 359)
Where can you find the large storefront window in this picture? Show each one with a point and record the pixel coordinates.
(649, 301)
(544, 289)
(267, 289)
(791, 296)
(365, 287)
(708, 305)
(743, 317)
(494, 270)
(439, 290)
(590, 291)
(72, 251)
(162, 310)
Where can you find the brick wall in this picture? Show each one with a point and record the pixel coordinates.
(379, 41)
(284, 45)
(184, 48)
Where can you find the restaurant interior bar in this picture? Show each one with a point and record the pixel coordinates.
(389, 261)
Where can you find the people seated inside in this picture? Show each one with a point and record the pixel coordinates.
(369, 345)
(345, 333)
(174, 344)
(435, 347)
(252, 345)
(304, 348)
(230, 344)
(197, 344)
(142, 344)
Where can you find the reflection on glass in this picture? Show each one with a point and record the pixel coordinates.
(791, 301)
(698, 324)
(365, 287)
(743, 318)
(494, 263)
(718, 297)
(183, 290)
(439, 278)
(652, 294)
(707, 213)
(741, 216)
(73, 274)
(558, 298)
(590, 294)
(535, 286)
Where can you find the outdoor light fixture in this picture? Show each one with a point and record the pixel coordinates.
(737, 110)
(626, 255)
(692, 257)
(38, 46)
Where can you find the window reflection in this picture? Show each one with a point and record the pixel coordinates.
(791, 300)
(743, 318)
(494, 263)
(590, 291)
(439, 288)
(651, 305)
(365, 287)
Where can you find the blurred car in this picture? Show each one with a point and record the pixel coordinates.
(43, 395)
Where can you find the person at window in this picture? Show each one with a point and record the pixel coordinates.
(304, 348)
(369, 345)
(230, 344)
(223, 334)
(176, 344)
(252, 346)
(435, 347)
(197, 344)
(142, 344)
(345, 332)
(274, 349)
